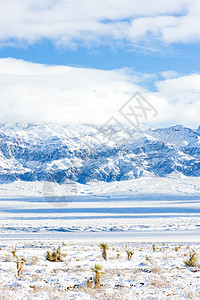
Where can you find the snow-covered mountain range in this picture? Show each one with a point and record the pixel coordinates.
(86, 153)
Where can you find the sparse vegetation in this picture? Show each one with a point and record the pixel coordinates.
(97, 270)
(55, 255)
(192, 261)
(20, 265)
(34, 260)
(129, 254)
(8, 258)
(17, 262)
(90, 283)
(14, 253)
(104, 247)
(151, 275)
(147, 258)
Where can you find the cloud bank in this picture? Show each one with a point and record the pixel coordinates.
(40, 93)
(74, 22)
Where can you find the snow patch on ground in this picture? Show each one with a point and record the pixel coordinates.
(159, 274)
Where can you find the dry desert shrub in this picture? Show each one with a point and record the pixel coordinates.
(176, 248)
(189, 293)
(116, 295)
(37, 277)
(155, 269)
(157, 282)
(55, 255)
(90, 283)
(34, 260)
(154, 247)
(193, 259)
(147, 258)
(4, 292)
(59, 270)
(64, 254)
(54, 294)
(8, 258)
(152, 265)
(94, 294)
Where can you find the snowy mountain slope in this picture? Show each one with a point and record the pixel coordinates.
(84, 153)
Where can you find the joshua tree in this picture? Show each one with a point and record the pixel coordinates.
(14, 253)
(104, 247)
(97, 270)
(129, 254)
(20, 266)
(17, 261)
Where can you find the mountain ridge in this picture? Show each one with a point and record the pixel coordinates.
(83, 153)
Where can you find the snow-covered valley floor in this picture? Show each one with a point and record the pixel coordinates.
(158, 273)
(129, 215)
(156, 205)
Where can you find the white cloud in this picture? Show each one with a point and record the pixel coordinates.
(169, 74)
(71, 22)
(40, 93)
(184, 87)
(182, 95)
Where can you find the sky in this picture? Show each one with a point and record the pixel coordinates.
(80, 61)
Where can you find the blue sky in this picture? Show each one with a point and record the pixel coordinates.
(150, 48)
(182, 58)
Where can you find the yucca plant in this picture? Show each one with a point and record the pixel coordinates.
(129, 254)
(97, 270)
(20, 266)
(14, 253)
(104, 247)
(17, 261)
